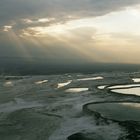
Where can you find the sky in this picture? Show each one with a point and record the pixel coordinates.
(66, 31)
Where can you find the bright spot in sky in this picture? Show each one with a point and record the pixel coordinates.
(7, 28)
(43, 20)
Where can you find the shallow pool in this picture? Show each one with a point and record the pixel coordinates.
(117, 111)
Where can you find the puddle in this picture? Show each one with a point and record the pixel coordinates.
(117, 111)
(75, 90)
(102, 87)
(8, 84)
(64, 84)
(92, 78)
(41, 82)
(136, 80)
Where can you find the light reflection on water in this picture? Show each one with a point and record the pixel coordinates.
(124, 86)
(132, 91)
(75, 90)
(8, 84)
(136, 80)
(92, 78)
(64, 84)
(41, 82)
(101, 87)
(71, 105)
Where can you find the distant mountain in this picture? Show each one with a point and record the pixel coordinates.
(24, 66)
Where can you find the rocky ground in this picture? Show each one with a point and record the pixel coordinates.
(52, 107)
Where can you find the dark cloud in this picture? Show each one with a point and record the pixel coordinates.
(13, 10)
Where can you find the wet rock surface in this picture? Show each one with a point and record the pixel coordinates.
(85, 136)
(27, 124)
(30, 111)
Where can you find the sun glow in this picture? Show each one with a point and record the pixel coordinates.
(7, 28)
(99, 38)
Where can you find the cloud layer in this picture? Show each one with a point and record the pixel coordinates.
(11, 10)
(39, 29)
